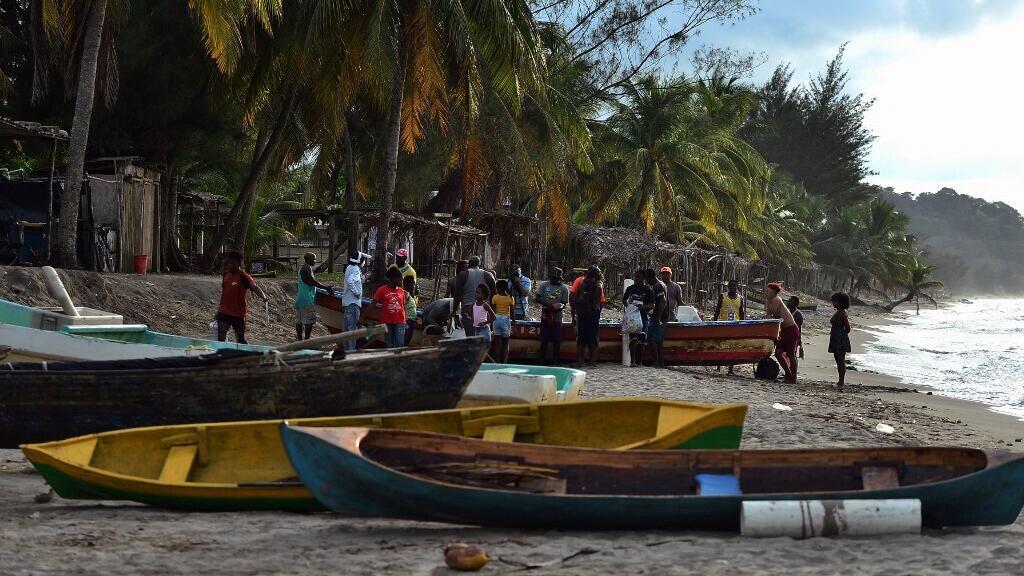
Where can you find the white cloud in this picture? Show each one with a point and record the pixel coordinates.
(947, 109)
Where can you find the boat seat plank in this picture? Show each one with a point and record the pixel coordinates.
(179, 462)
(500, 433)
(524, 424)
(880, 477)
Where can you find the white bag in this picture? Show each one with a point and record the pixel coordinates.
(632, 322)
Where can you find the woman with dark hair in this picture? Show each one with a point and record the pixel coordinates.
(587, 303)
(839, 334)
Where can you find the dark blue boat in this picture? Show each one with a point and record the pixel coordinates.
(423, 476)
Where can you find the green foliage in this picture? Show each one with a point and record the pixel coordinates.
(815, 132)
(975, 245)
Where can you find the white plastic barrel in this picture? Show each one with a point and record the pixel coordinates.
(56, 289)
(813, 518)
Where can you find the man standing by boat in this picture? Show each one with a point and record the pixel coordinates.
(673, 295)
(352, 295)
(552, 296)
(402, 264)
(658, 319)
(305, 296)
(466, 284)
(731, 305)
(793, 303)
(234, 290)
(520, 285)
(789, 335)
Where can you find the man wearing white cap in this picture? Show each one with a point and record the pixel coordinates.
(401, 262)
(352, 297)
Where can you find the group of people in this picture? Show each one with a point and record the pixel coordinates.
(483, 306)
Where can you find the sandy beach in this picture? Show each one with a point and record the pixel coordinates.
(114, 538)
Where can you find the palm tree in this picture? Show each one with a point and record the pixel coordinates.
(79, 38)
(670, 160)
(916, 281)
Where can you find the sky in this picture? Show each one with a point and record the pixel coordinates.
(945, 74)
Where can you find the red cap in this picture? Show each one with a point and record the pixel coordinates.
(402, 252)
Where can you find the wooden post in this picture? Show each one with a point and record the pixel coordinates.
(330, 241)
(49, 202)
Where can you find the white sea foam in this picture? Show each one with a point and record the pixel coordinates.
(969, 351)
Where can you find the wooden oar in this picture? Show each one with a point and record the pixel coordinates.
(322, 341)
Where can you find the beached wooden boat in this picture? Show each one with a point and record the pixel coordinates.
(19, 344)
(697, 343)
(521, 383)
(686, 343)
(40, 402)
(423, 476)
(243, 465)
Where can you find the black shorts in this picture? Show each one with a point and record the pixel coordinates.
(237, 323)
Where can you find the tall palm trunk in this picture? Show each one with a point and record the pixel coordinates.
(350, 190)
(237, 221)
(67, 232)
(391, 166)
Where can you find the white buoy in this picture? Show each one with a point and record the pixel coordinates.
(813, 518)
(56, 289)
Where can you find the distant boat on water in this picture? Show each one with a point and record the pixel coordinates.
(966, 301)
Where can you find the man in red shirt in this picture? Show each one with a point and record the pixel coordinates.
(235, 286)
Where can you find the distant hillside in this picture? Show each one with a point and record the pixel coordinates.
(978, 245)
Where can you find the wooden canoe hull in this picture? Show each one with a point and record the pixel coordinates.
(241, 465)
(706, 343)
(333, 464)
(33, 345)
(40, 405)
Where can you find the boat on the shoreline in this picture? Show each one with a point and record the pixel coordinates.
(686, 343)
(48, 401)
(433, 477)
(20, 344)
(243, 465)
(518, 383)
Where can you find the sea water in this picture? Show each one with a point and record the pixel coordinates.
(969, 351)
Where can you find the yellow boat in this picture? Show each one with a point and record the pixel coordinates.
(243, 465)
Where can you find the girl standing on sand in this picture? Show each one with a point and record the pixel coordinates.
(839, 334)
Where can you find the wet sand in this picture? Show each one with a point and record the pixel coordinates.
(82, 537)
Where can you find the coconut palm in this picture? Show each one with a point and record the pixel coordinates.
(670, 160)
(916, 280)
(80, 40)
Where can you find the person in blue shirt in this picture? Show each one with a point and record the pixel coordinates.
(520, 287)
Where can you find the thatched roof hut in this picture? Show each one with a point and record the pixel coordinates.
(621, 251)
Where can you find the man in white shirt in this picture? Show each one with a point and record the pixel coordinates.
(352, 295)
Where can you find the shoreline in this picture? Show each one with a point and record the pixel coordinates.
(819, 365)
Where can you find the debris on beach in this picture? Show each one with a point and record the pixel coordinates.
(465, 557)
(884, 428)
(782, 407)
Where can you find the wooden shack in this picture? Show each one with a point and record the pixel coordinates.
(125, 200)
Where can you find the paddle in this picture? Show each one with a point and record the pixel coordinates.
(323, 341)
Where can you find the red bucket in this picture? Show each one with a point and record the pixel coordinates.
(141, 263)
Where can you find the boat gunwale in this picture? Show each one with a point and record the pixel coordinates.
(993, 459)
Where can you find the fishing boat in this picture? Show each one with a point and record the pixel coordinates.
(686, 343)
(521, 383)
(243, 465)
(20, 344)
(48, 401)
(433, 477)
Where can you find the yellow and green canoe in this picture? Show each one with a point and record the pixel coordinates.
(243, 465)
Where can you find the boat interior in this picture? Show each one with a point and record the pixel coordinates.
(556, 470)
(252, 452)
